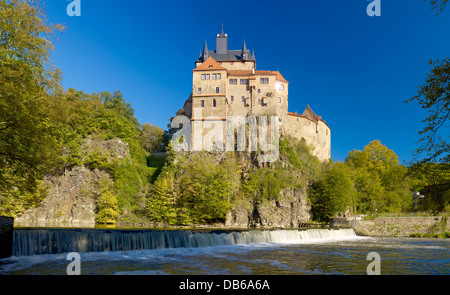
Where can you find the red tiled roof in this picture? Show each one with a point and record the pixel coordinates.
(209, 65)
(257, 73)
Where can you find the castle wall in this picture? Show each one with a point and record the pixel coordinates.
(317, 134)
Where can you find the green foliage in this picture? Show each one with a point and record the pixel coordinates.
(28, 117)
(97, 159)
(300, 157)
(152, 137)
(381, 183)
(333, 192)
(207, 187)
(108, 209)
(202, 193)
(200, 188)
(266, 184)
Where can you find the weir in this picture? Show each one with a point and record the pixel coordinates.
(54, 241)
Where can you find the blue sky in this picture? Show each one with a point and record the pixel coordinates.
(353, 70)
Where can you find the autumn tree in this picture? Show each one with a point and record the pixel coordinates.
(152, 137)
(28, 81)
(380, 181)
(333, 192)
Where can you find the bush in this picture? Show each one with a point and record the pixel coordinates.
(108, 208)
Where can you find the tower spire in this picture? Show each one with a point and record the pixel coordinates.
(244, 53)
(205, 51)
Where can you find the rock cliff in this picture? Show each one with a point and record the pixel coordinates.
(289, 211)
(71, 199)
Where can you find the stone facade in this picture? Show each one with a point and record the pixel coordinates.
(227, 83)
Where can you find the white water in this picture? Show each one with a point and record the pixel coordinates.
(54, 241)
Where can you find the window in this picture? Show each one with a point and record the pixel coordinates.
(259, 100)
(264, 81)
(211, 66)
(244, 81)
(243, 99)
(207, 76)
(281, 87)
(232, 99)
(217, 76)
(259, 90)
(199, 90)
(233, 81)
(279, 99)
(203, 103)
(214, 103)
(217, 89)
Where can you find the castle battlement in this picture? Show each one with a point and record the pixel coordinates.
(226, 83)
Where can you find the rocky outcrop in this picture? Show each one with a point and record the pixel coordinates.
(71, 199)
(289, 211)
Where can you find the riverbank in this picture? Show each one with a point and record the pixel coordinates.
(430, 226)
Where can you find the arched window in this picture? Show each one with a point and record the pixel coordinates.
(214, 103)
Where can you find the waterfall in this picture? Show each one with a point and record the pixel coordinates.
(53, 241)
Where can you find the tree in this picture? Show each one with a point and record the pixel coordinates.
(152, 137)
(28, 82)
(434, 96)
(207, 187)
(333, 192)
(381, 183)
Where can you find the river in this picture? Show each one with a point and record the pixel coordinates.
(278, 252)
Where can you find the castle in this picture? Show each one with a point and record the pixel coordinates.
(227, 83)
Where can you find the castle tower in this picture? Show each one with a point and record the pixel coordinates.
(222, 43)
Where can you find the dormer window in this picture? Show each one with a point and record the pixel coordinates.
(211, 66)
